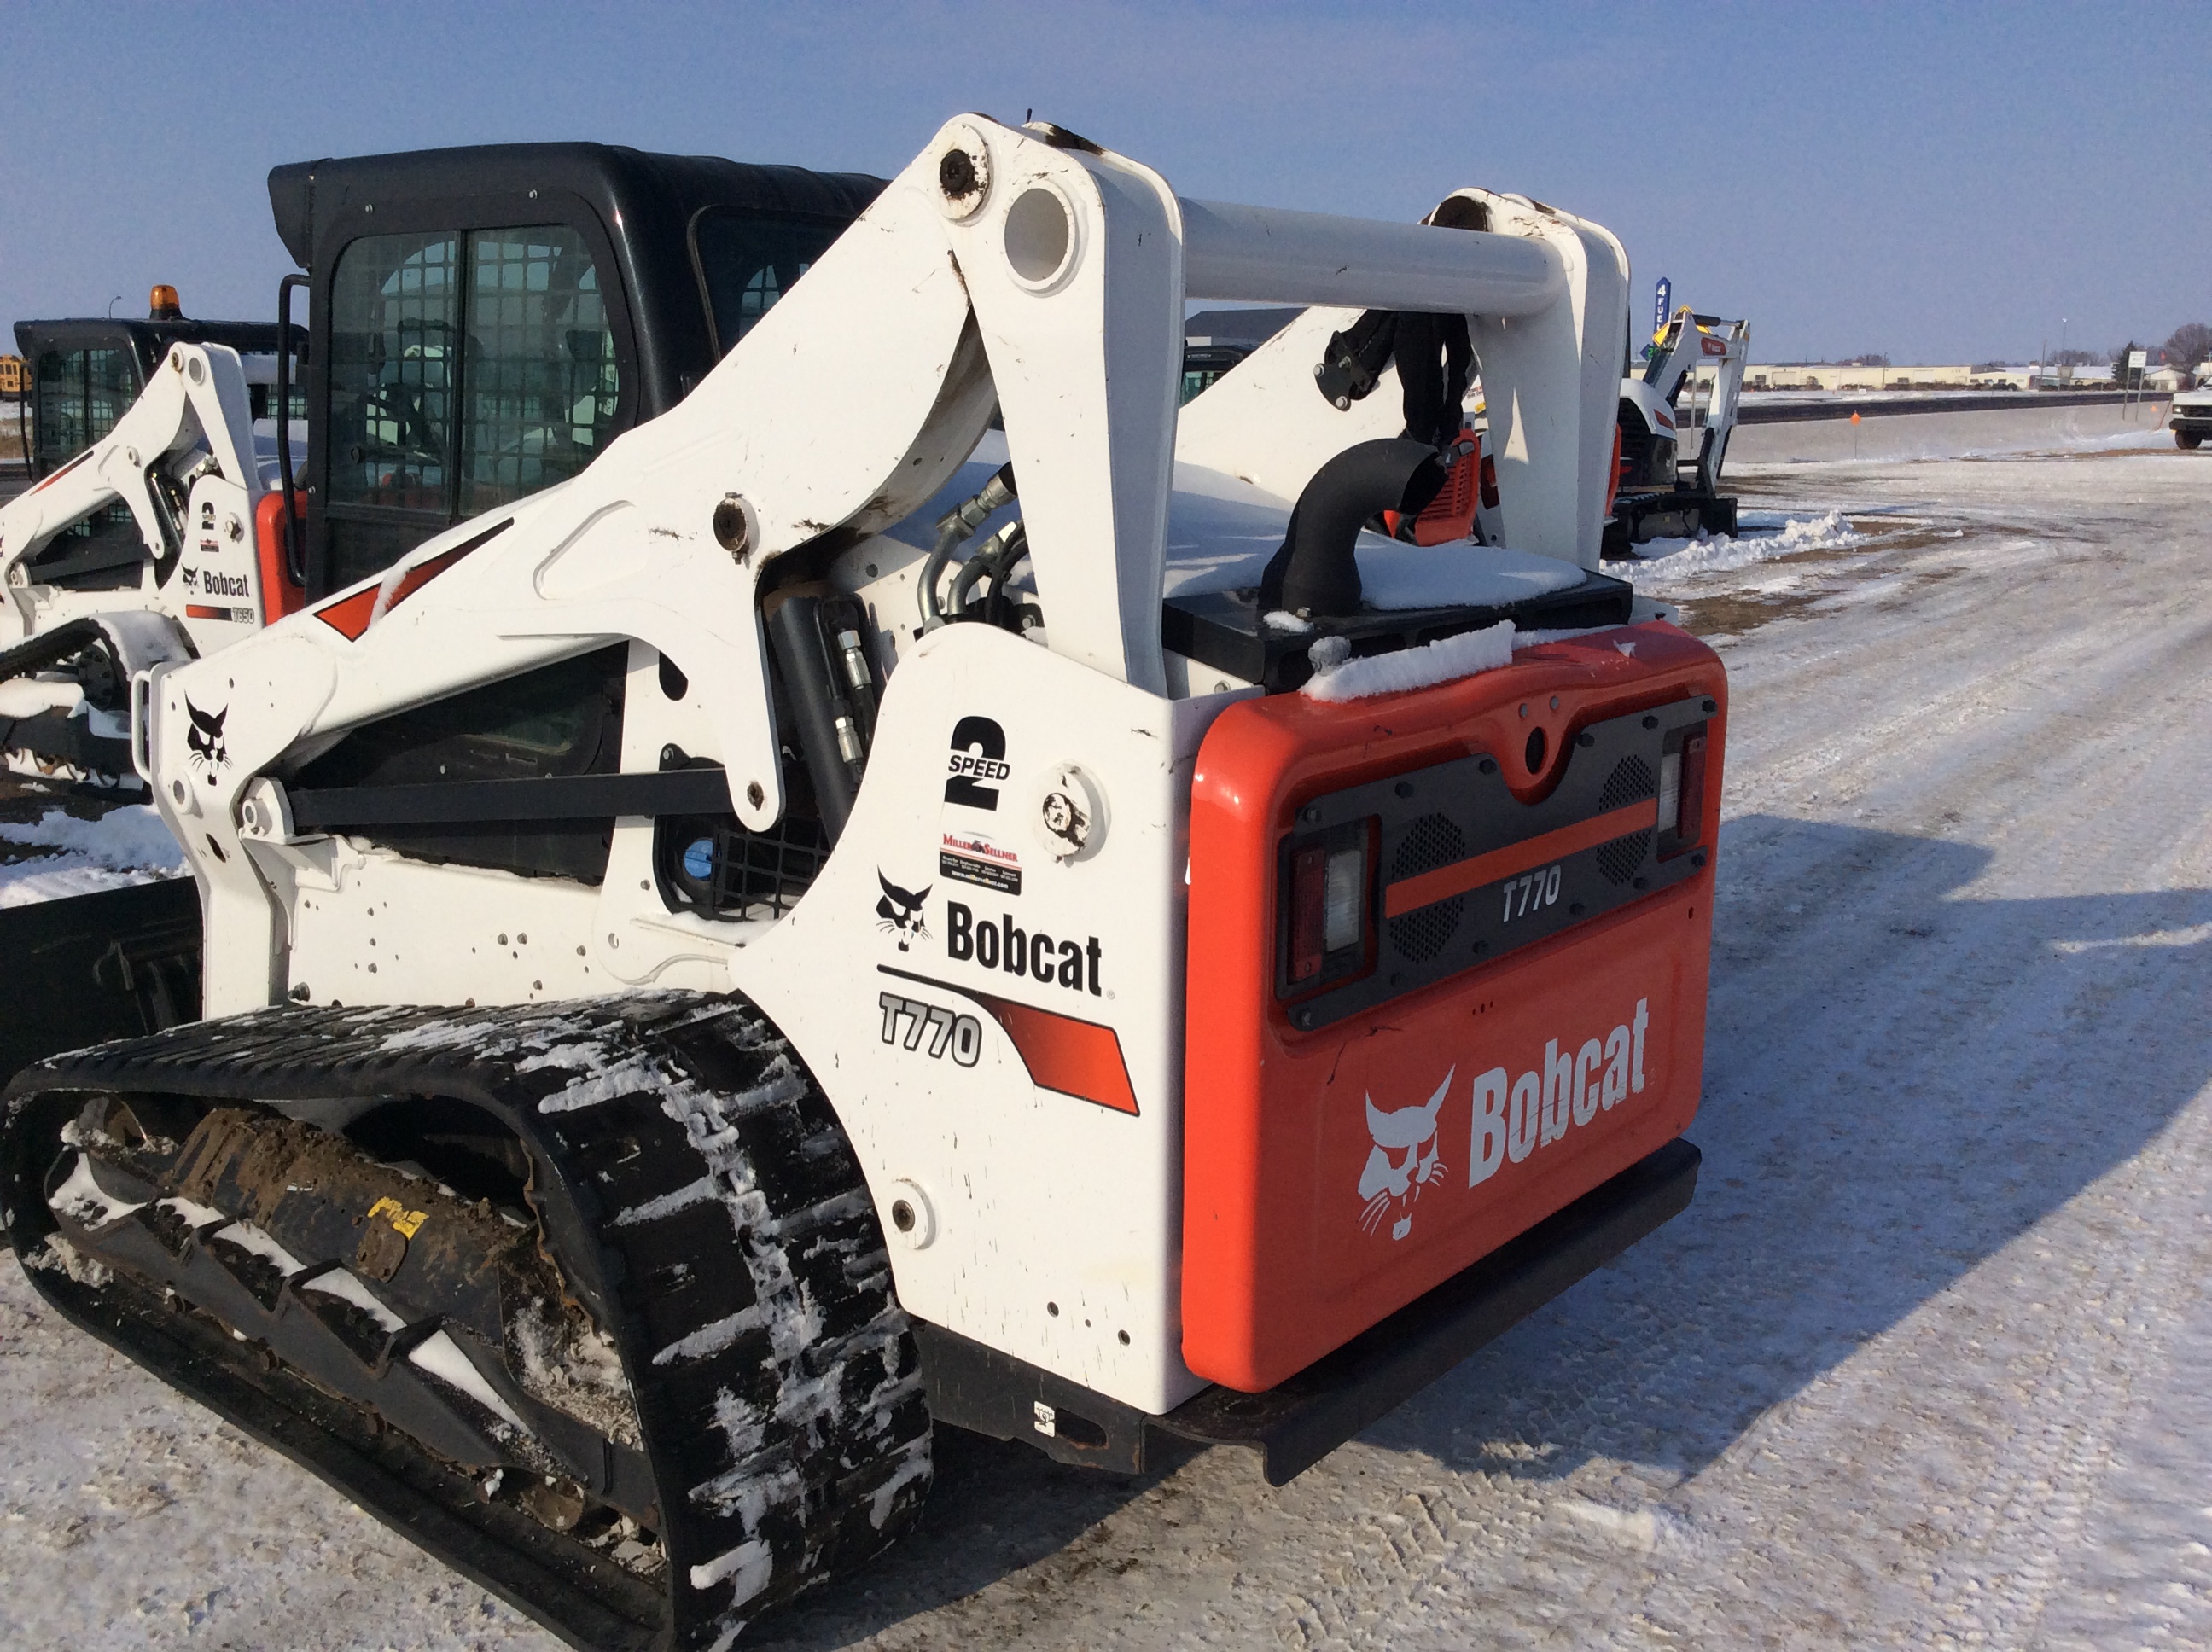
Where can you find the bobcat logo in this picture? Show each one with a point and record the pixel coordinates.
(1389, 1184)
(204, 739)
(191, 579)
(900, 911)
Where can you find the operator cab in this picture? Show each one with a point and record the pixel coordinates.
(85, 372)
(483, 321)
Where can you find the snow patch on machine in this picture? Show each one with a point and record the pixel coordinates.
(1338, 677)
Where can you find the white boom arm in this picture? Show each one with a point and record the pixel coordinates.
(182, 459)
(1545, 295)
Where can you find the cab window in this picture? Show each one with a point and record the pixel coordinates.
(466, 370)
(539, 384)
(80, 396)
(745, 262)
(395, 336)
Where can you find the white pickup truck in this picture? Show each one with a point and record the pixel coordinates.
(2192, 417)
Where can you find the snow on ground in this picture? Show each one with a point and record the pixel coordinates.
(1761, 536)
(62, 853)
(1925, 1365)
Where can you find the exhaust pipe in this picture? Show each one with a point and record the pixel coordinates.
(1315, 572)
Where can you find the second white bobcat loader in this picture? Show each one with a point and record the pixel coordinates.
(700, 986)
(1677, 413)
(81, 613)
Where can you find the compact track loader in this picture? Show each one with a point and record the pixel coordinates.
(833, 921)
(89, 551)
(482, 322)
(81, 373)
(1671, 451)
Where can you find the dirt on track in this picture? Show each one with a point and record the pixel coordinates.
(1922, 1366)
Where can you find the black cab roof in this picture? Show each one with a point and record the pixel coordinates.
(646, 205)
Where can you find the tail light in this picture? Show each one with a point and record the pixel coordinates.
(1612, 487)
(1682, 794)
(1327, 906)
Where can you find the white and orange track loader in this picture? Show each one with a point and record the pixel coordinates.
(81, 613)
(704, 982)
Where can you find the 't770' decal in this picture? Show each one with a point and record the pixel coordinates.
(962, 1033)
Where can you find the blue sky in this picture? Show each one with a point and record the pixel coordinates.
(1935, 182)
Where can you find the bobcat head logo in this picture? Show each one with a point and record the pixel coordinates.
(900, 912)
(1391, 1185)
(204, 739)
(191, 579)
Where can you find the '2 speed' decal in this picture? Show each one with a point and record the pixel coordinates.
(978, 759)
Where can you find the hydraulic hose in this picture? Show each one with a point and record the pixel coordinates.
(997, 559)
(821, 711)
(957, 526)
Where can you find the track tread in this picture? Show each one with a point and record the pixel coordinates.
(777, 1381)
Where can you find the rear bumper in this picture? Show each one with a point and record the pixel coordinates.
(1295, 1424)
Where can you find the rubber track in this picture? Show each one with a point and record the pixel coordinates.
(703, 1202)
(49, 648)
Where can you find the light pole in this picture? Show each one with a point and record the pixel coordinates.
(112, 303)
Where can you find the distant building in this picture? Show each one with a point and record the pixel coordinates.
(2173, 376)
(14, 376)
(1844, 375)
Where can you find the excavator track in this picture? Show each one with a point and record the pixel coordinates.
(588, 1300)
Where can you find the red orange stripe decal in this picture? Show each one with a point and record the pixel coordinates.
(1081, 1059)
(1410, 893)
(349, 616)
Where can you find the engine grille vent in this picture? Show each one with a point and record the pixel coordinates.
(1433, 840)
(1619, 859)
(1419, 936)
(1631, 781)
